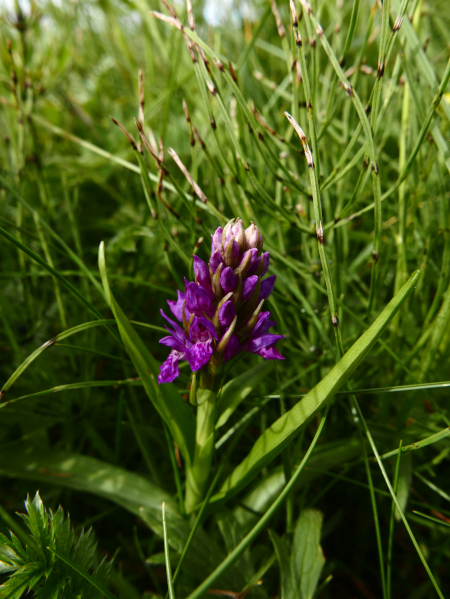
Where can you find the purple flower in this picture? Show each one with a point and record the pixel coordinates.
(248, 287)
(215, 260)
(253, 237)
(227, 312)
(176, 307)
(201, 272)
(228, 279)
(198, 300)
(222, 308)
(267, 287)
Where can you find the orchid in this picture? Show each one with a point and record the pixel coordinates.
(220, 314)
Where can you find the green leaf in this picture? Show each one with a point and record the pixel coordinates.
(204, 554)
(281, 433)
(82, 573)
(166, 554)
(236, 390)
(5, 567)
(205, 395)
(37, 519)
(282, 552)
(307, 559)
(89, 475)
(174, 411)
(16, 586)
(404, 483)
(265, 491)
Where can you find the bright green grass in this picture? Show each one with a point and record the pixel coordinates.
(84, 432)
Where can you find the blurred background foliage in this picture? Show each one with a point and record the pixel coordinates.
(69, 174)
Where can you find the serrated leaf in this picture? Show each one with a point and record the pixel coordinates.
(6, 551)
(307, 559)
(13, 588)
(37, 519)
(17, 546)
(95, 583)
(51, 589)
(7, 567)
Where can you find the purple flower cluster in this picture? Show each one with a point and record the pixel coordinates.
(221, 315)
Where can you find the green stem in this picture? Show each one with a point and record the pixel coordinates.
(198, 472)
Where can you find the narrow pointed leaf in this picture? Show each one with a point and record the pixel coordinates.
(174, 411)
(276, 437)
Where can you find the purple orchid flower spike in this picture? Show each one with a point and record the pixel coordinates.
(220, 313)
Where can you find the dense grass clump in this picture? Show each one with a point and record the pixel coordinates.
(146, 127)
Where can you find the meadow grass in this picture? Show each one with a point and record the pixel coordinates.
(327, 125)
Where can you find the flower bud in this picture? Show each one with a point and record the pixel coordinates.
(267, 287)
(221, 312)
(248, 262)
(231, 252)
(226, 231)
(201, 272)
(237, 230)
(254, 237)
(231, 348)
(228, 280)
(266, 261)
(215, 260)
(215, 282)
(248, 287)
(227, 312)
(216, 241)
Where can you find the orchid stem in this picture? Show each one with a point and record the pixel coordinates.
(197, 475)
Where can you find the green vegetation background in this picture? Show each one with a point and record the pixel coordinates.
(70, 179)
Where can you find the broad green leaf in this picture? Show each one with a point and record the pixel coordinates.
(281, 433)
(265, 491)
(236, 390)
(404, 482)
(159, 559)
(288, 591)
(204, 554)
(174, 411)
(232, 534)
(307, 559)
(86, 474)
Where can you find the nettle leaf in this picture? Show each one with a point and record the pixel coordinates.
(307, 559)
